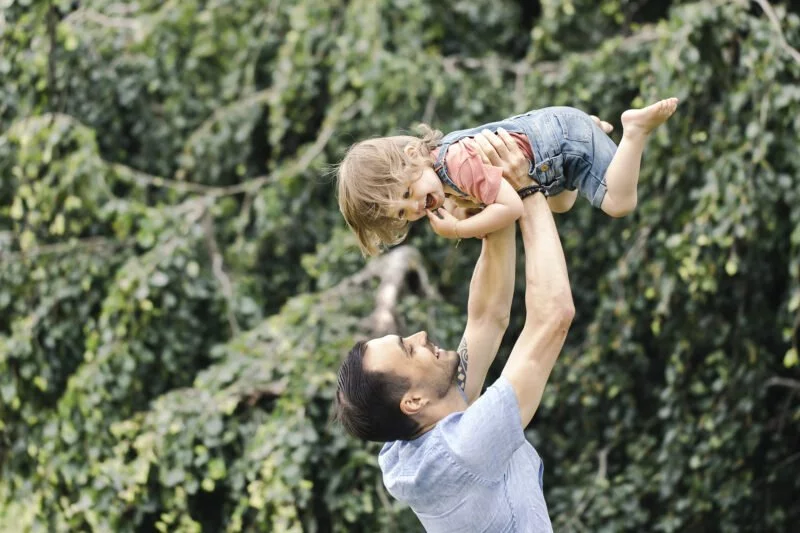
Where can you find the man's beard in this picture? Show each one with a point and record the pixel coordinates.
(447, 382)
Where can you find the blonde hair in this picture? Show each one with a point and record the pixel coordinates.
(372, 177)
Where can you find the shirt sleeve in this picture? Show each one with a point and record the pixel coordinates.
(470, 174)
(485, 436)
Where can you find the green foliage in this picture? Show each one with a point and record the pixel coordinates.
(176, 285)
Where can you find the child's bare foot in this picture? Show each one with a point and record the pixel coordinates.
(640, 122)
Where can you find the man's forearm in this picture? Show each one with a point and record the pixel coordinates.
(546, 279)
(492, 286)
(490, 293)
(549, 308)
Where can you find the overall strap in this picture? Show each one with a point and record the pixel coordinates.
(441, 170)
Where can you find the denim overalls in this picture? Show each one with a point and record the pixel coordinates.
(570, 151)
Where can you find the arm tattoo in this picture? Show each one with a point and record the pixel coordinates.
(463, 362)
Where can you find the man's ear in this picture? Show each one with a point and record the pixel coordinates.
(410, 151)
(412, 403)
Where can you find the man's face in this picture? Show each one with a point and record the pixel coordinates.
(430, 370)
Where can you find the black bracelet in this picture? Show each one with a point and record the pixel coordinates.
(531, 189)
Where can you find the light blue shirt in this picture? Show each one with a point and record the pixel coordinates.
(474, 471)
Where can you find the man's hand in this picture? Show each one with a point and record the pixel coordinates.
(605, 126)
(443, 223)
(461, 212)
(501, 150)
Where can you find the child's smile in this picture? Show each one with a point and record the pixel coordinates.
(424, 193)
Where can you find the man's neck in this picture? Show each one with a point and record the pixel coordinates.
(453, 402)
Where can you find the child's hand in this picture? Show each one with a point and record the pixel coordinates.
(443, 223)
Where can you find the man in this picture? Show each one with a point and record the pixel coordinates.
(461, 462)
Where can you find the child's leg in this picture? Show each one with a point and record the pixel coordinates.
(622, 175)
(562, 202)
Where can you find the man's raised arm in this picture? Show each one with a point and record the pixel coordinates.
(548, 303)
(490, 293)
(492, 285)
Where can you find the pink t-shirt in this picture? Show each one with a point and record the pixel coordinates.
(479, 180)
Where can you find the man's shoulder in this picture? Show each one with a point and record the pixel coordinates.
(470, 448)
(414, 471)
(403, 450)
(404, 454)
(411, 457)
(457, 431)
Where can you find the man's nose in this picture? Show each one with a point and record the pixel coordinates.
(420, 337)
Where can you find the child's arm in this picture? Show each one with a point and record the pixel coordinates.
(505, 210)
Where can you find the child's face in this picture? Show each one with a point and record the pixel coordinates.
(424, 192)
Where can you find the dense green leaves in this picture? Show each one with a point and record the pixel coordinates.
(177, 286)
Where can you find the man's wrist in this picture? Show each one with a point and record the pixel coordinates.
(531, 190)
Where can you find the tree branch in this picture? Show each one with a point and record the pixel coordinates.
(256, 98)
(519, 89)
(450, 64)
(393, 276)
(341, 113)
(769, 11)
(392, 269)
(602, 463)
(122, 22)
(430, 109)
(586, 497)
(387, 505)
(300, 165)
(52, 21)
(133, 25)
(148, 180)
(783, 382)
(94, 244)
(787, 461)
(218, 268)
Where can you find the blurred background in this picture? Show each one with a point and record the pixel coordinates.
(177, 286)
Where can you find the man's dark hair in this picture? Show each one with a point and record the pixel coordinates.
(368, 403)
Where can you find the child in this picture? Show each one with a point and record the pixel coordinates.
(387, 182)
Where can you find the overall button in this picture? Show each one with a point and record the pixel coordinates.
(545, 167)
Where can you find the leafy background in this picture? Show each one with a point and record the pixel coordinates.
(177, 286)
